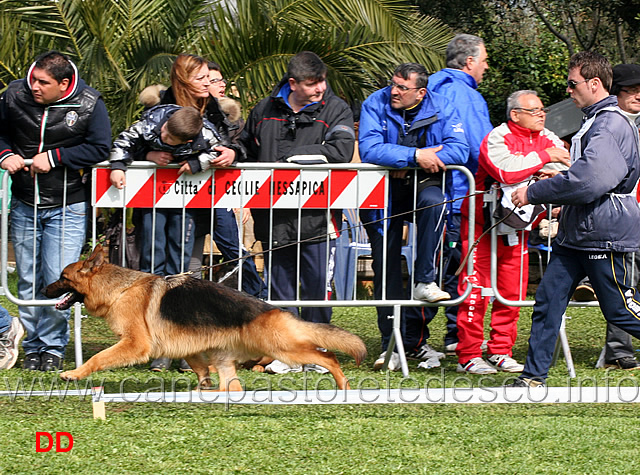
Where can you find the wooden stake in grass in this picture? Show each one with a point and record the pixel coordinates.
(99, 411)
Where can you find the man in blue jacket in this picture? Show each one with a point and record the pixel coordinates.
(405, 126)
(600, 218)
(466, 64)
(53, 118)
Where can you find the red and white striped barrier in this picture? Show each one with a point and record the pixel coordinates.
(238, 188)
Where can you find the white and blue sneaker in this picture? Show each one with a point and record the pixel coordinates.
(394, 362)
(278, 367)
(424, 353)
(476, 366)
(505, 363)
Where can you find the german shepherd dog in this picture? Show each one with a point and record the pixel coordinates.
(204, 322)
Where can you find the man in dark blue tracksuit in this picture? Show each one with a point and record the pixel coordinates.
(600, 218)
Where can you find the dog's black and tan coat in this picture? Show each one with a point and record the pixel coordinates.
(201, 321)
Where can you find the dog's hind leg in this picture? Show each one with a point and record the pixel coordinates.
(326, 359)
(330, 362)
(200, 366)
(227, 373)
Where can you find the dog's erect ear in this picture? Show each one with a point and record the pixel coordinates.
(96, 258)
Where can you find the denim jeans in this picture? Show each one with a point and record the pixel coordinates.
(172, 247)
(225, 235)
(40, 257)
(5, 319)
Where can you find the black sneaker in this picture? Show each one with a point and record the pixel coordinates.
(526, 383)
(51, 362)
(160, 364)
(32, 362)
(628, 362)
(184, 367)
(584, 293)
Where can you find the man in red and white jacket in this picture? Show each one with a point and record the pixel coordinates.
(510, 155)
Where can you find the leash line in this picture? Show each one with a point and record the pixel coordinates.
(349, 228)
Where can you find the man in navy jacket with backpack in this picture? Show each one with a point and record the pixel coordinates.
(600, 217)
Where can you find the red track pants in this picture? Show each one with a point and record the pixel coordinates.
(513, 277)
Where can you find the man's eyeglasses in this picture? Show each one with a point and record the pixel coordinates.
(217, 80)
(571, 84)
(634, 91)
(400, 87)
(536, 112)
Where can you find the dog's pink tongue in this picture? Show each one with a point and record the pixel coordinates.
(63, 301)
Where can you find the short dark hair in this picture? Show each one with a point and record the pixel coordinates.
(306, 65)
(460, 48)
(213, 66)
(56, 65)
(185, 124)
(592, 65)
(405, 70)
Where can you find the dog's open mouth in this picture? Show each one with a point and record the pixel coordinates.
(69, 299)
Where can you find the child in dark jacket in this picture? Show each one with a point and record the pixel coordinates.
(176, 135)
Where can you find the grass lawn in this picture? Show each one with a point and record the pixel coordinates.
(408, 438)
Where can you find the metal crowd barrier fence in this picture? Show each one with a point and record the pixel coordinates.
(4, 256)
(331, 188)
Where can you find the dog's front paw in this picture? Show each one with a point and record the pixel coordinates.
(73, 375)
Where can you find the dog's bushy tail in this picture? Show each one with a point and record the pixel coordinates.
(328, 336)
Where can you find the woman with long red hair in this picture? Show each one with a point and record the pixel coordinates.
(190, 87)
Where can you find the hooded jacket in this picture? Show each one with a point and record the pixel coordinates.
(74, 131)
(460, 89)
(274, 133)
(384, 141)
(600, 211)
(144, 136)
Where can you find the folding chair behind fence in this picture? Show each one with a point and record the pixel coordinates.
(351, 245)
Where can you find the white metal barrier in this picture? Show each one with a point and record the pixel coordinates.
(266, 186)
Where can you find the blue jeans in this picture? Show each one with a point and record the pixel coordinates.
(451, 257)
(5, 319)
(172, 247)
(225, 235)
(57, 242)
(429, 229)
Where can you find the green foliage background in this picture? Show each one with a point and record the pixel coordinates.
(122, 46)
